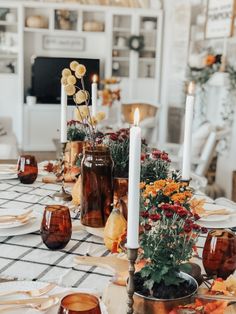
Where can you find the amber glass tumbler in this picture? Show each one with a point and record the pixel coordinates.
(56, 227)
(27, 169)
(97, 186)
(219, 253)
(79, 303)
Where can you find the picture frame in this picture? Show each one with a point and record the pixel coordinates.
(71, 43)
(220, 19)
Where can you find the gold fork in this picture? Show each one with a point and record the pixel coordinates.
(37, 306)
(31, 293)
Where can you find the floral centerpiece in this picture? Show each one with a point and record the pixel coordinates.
(96, 191)
(168, 236)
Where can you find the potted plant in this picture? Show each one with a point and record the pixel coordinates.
(76, 136)
(154, 164)
(168, 236)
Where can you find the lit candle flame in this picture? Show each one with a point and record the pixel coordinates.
(191, 88)
(95, 78)
(136, 117)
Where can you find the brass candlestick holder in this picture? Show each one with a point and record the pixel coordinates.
(62, 195)
(186, 181)
(132, 256)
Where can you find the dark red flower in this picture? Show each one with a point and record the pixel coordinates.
(155, 217)
(169, 214)
(196, 227)
(113, 137)
(182, 212)
(147, 227)
(143, 156)
(204, 230)
(187, 228)
(144, 214)
(196, 217)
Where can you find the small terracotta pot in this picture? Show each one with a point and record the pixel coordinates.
(120, 198)
(150, 305)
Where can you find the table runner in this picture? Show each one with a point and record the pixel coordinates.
(26, 257)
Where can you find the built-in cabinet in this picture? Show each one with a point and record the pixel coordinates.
(105, 32)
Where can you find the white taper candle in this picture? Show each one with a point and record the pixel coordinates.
(94, 95)
(134, 181)
(63, 115)
(187, 148)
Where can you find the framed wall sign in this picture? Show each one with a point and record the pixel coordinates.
(220, 18)
(51, 42)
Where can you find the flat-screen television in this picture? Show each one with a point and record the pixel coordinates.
(46, 77)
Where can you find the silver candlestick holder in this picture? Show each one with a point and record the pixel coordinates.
(62, 195)
(132, 256)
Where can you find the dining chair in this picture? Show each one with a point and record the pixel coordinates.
(149, 115)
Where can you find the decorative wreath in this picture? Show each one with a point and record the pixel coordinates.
(136, 43)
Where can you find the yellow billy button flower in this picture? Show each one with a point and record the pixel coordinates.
(66, 72)
(80, 70)
(100, 116)
(73, 65)
(71, 79)
(84, 111)
(64, 81)
(78, 115)
(81, 96)
(70, 89)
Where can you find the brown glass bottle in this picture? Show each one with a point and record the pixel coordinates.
(56, 226)
(97, 186)
(219, 253)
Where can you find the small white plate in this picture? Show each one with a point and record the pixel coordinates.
(217, 218)
(32, 226)
(13, 224)
(31, 285)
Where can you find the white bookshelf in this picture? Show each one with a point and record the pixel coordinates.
(100, 42)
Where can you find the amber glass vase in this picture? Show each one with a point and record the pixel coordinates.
(219, 253)
(97, 186)
(27, 169)
(56, 227)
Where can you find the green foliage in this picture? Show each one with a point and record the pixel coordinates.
(75, 131)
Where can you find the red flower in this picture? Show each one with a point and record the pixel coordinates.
(113, 137)
(196, 227)
(156, 153)
(144, 214)
(187, 228)
(204, 230)
(182, 212)
(196, 217)
(143, 156)
(169, 214)
(147, 227)
(155, 217)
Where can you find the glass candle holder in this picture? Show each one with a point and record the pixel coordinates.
(56, 227)
(79, 303)
(27, 169)
(219, 253)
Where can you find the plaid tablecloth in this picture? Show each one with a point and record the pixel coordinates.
(26, 257)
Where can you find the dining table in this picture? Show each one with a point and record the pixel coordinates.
(24, 256)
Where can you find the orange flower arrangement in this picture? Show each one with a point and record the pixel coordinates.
(209, 60)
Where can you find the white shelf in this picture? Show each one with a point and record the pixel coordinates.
(151, 31)
(147, 59)
(36, 30)
(8, 55)
(6, 23)
(120, 48)
(120, 58)
(121, 29)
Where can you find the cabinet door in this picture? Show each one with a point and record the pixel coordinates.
(148, 54)
(121, 32)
